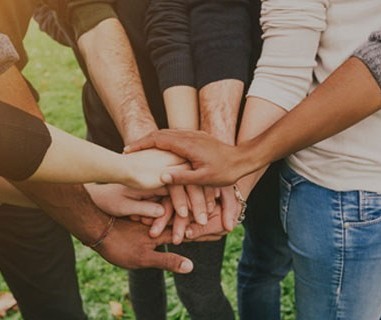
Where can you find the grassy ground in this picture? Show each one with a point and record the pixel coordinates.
(54, 72)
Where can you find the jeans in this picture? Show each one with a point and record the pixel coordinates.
(266, 258)
(335, 239)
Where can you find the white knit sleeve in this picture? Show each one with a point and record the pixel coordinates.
(291, 34)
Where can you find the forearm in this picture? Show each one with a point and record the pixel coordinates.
(10, 195)
(181, 105)
(92, 162)
(219, 106)
(114, 73)
(258, 116)
(349, 95)
(69, 205)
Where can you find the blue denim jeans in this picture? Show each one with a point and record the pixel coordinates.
(266, 258)
(335, 239)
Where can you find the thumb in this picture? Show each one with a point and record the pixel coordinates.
(170, 262)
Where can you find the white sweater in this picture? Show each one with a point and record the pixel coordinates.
(305, 41)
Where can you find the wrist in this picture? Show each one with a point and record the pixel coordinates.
(132, 133)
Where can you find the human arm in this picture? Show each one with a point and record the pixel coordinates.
(71, 206)
(42, 152)
(118, 83)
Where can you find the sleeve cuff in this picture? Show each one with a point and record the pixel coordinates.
(8, 53)
(370, 54)
(176, 71)
(84, 18)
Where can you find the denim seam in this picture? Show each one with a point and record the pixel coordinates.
(342, 258)
(361, 205)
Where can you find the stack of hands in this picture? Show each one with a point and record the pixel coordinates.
(165, 212)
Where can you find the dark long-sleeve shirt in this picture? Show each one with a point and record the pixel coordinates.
(199, 41)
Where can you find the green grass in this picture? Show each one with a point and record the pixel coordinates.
(54, 73)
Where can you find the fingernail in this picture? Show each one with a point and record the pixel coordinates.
(154, 230)
(166, 178)
(159, 211)
(176, 239)
(210, 207)
(203, 219)
(126, 149)
(183, 212)
(186, 266)
(189, 233)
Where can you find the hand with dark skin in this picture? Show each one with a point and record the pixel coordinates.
(127, 245)
(213, 162)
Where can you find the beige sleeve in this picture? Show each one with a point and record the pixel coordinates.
(291, 34)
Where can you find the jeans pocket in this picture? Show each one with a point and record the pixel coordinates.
(369, 209)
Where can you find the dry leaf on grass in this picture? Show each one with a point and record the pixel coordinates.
(116, 309)
(7, 301)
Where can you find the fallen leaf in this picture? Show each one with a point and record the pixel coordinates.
(7, 301)
(116, 309)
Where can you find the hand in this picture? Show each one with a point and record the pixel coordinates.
(223, 219)
(119, 200)
(230, 208)
(145, 167)
(212, 231)
(213, 162)
(169, 218)
(199, 200)
(128, 245)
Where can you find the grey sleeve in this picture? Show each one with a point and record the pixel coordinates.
(8, 54)
(370, 54)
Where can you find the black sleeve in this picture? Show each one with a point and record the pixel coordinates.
(24, 140)
(221, 39)
(168, 39)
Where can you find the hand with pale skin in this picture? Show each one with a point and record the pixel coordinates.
(188, 229)
(121, 201)
(190, 198)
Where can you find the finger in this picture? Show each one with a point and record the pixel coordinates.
(168, 140)
(135, 218)
(217, 192)
(147, 221)
(147, 194)
(230, 208)
(178, 230)
(168, 261)
(184, 177)
(141, 208)
(159, 224)
(179, 200)
(198, 203)
(210, 198)
(146, 142)
(209, 238)
(194, 230)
